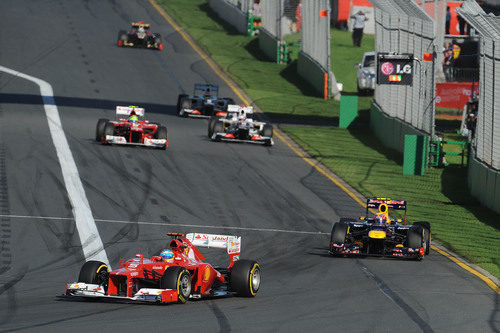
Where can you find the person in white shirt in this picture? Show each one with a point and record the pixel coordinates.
(357, 28)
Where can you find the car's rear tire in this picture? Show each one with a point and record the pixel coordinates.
(94, 272)
(99, 131)
(427, 235)
(267, 130)
(339, 232)
(211, 124)
(245, 278)
(177, 278)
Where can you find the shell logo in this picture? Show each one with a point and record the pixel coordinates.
(207, 274)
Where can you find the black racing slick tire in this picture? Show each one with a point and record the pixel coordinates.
(245, 278)
(211, 124)
(427, 235)
(94, 272)
(267, 130)
(339, 232)
(122, 37)
(162, 134)
(109, 129)
(414, 238)
(99, 131)
(185, 104)
(177, 278)
(218, 128)
(179, 99)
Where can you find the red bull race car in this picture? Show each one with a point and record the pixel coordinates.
(178, 274)
(239, 126)
(130, 128)
(380, 235)
(140, 36)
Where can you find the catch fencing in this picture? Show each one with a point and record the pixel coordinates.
(235, 12)
(401, 26)
(484, 167)
(314, 57)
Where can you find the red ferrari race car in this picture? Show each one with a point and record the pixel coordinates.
(176, 275)
(380, 235)
(133, 130)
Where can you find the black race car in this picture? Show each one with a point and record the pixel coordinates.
(140, 36)
(380, 235)
(204, 103)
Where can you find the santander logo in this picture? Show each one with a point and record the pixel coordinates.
(387, 68)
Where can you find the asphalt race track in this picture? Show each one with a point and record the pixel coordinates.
(138, 195)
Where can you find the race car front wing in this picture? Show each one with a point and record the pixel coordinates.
(80, 289)
(353, 249)
(120, 140)
(254, 139)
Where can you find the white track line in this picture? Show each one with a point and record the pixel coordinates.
(92, 245)
(170, 224)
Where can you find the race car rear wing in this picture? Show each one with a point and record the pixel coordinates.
(238, 108)
(230, 243)
(126, 110)
(391, 204)
(211, 87)
(141, 24)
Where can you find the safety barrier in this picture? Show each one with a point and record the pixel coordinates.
(231, 14)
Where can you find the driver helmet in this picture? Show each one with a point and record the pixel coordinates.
(381, 218)
(167, 254)
(133, 118)
(242, 115)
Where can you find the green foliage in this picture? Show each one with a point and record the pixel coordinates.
(440, 196)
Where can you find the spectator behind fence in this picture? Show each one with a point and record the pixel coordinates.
(448, 64)
(448, 20)
(257, 10)
(357, 28)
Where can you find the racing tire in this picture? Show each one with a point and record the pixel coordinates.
(161, 133)
(218, 128)
(177, 278)
(99, 131)
(109, 129)
(427, 235)
(122, 37)
(245, 278)
(339, 232)
(185, 104)
(267, 130)
(179, 99)
(94, 272)
(211, 124)
(414, 238)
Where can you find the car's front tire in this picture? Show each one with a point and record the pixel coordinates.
(179, 279)
(99, 131)
(94, 272)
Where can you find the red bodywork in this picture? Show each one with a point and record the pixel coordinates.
(135, 132)
(125, 280)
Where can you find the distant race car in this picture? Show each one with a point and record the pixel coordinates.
(239, 126)
(140, 36)
(179, 273)
(381, 235)
(133, 130)
(204, 103)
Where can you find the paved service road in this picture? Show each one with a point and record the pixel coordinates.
(137, 195)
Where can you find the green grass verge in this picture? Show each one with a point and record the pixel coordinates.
(274, 88)
(441, 196)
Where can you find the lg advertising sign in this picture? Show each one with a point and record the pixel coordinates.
(395, 69)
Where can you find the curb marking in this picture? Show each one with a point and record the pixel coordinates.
(308, 160)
